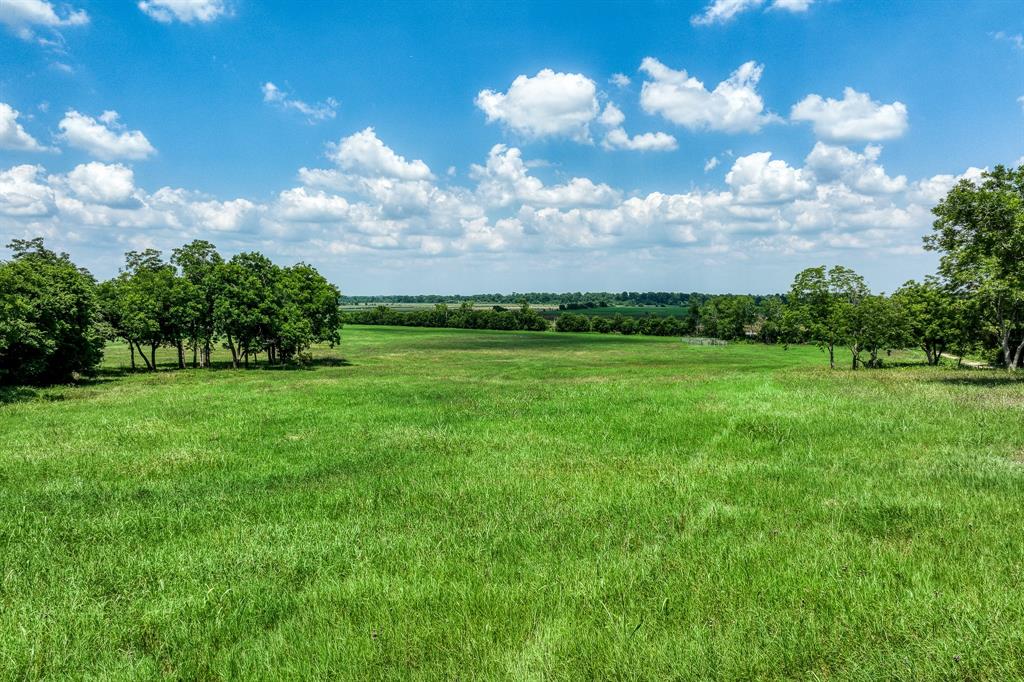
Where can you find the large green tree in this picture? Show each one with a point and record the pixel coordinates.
(48, 316)
(979, 230)
(198, 261)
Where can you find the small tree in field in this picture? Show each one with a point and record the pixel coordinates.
(820, 307)
(931, 315)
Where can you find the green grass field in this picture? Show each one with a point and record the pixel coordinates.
(463, 504)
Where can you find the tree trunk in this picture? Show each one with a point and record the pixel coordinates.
(132, 349)
(181, 355)
(831, 356)
(152, 356)
(245, 357)
(142, 354)
(1018, 357)
(195, 353)
(234, 353)
(1007, 356)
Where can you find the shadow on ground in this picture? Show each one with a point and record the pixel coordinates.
(56, 393)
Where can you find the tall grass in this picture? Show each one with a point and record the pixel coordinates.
(448, 503)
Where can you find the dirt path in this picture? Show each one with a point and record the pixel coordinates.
(968, 363)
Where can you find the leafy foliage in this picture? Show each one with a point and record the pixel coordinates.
(47, 317)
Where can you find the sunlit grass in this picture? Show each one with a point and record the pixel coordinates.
(448, 503)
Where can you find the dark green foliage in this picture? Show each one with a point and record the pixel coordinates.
(248, 302)
(979, 229)
(48, 313)
(463, 317)
(569, 322)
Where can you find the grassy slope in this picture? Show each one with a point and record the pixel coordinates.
(492, 504)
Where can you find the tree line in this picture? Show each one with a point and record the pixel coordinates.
(55, 318)
(464, 316)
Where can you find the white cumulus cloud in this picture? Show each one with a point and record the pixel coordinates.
(757, 179)
(549, 104)
(733, 106)
(101, 183)
(365, 154)
(105, 138)
(854, 117)
(504, 180)
(618, 138)
(12, 134)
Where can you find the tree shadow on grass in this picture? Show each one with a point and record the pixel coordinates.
(16, 394)
(54, 393)
(103, 375)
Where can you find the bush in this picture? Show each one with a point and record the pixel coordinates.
(570, 322)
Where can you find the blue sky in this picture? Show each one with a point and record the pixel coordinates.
(716, 146)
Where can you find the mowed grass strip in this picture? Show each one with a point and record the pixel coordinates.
(450, 503)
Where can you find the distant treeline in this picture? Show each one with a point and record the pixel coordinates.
(726, 317)
(465, 316)
(588, 299)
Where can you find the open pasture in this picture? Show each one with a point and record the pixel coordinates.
(449, 503)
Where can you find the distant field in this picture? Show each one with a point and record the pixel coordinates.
(548, 311)
(635, 311)
(495, 505)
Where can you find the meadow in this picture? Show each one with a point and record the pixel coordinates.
(440, 503)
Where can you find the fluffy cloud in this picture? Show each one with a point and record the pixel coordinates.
(758, 179)
(617, 138)
(314, 113)
(854, 117)
(644, 142)
(733, 106)
(619, 80)
(22, 15)
(12, 135)
(858, 171)
(104, 138)
(100, 183)
(549, 104)
(186, 11)
(612, 116)
(723, 11)
(377, 203)
(505, 180)
(711, 164)
(23, 193)
(365, 154)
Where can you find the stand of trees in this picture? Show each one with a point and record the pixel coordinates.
(465, 316)
(55, 318)
(197, 299)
